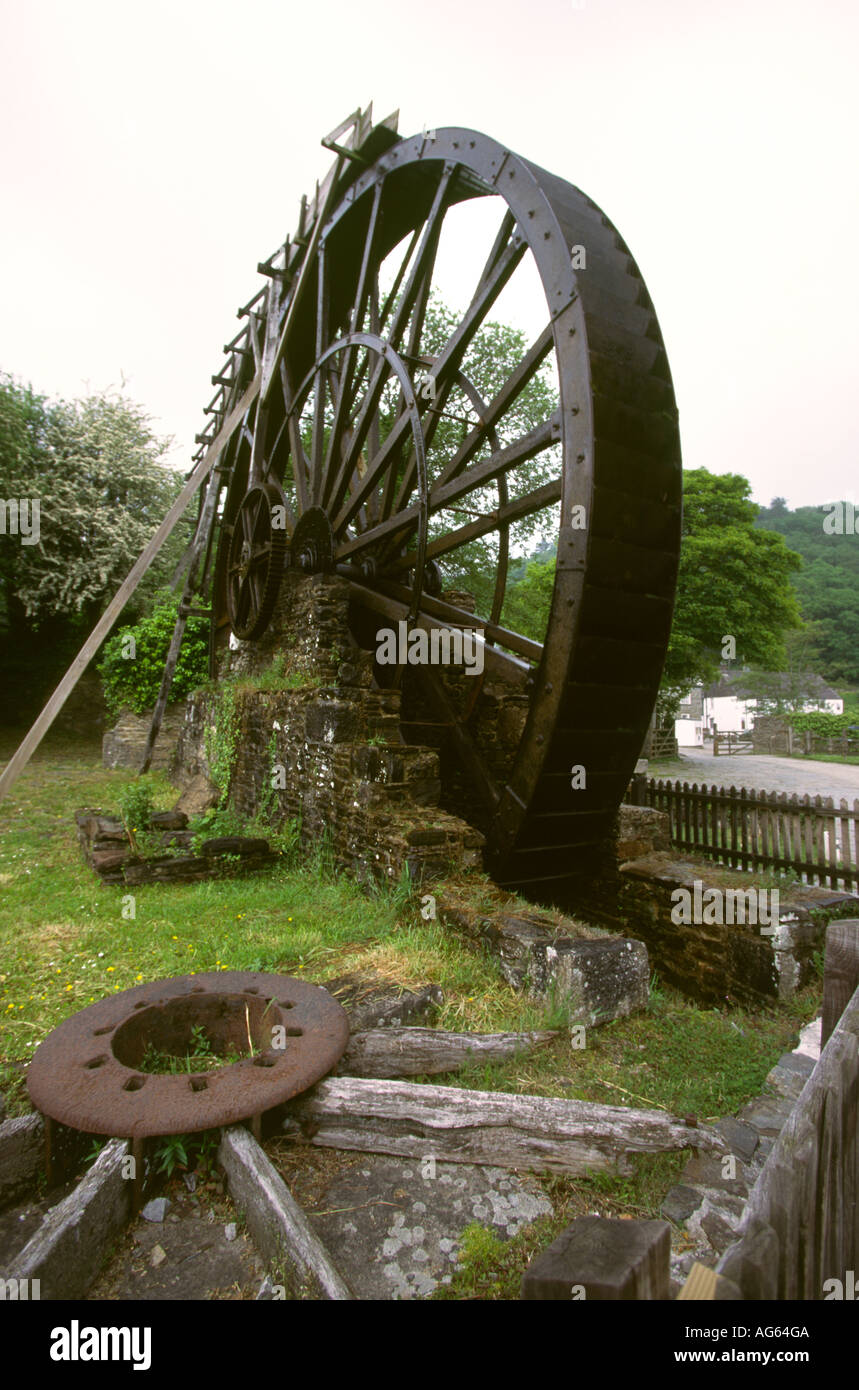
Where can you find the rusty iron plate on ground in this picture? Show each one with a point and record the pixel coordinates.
(86, 1073)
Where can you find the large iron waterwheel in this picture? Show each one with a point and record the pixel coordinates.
(388, 463)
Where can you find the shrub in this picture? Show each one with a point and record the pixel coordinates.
(136, 804)
(822, 723)
(133, 659)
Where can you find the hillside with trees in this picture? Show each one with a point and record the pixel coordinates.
(827, 585)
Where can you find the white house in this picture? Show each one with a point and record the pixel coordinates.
(729, 706)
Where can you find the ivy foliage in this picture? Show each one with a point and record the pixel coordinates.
(132, 663)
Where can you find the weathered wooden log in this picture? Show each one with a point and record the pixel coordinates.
(393, 1052)
(280, 1229)
(462, 1126)
(69, 1247)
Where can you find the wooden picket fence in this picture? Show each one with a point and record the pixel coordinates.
(750, 829)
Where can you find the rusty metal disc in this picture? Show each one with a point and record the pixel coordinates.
(86, 1073)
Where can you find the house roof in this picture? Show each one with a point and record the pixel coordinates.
(741, 687)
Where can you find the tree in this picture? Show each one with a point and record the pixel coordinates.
(91, 475)
(133, 658)
(733, 582)
(798, 681)
(530, 597)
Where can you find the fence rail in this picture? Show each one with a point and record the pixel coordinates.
(750, 829)
(766, 739)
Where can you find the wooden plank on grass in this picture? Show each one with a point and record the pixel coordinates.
(451, 1124)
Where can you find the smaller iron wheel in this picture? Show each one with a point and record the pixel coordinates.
(256, 560)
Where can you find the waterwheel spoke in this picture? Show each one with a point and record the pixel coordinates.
(287, 506)
(499, 405)
(393, 294)
(423, 260)
(374, 438)
(467, 750)
(491, 416)
(496, 271)
(447, 365)
(343, 398)
(243, 603)
(501, 517)
(478, 475)
(391, 601)
(318, 438)
(300, 462)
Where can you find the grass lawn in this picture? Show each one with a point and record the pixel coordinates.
(66, 941)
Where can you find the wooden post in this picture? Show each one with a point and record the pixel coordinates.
(840, 972)
(704, 1283)
(164, 691)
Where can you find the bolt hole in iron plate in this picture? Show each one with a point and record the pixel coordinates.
(108, 1094)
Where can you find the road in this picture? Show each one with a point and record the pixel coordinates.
(763, 772)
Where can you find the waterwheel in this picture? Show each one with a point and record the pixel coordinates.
(356, 446)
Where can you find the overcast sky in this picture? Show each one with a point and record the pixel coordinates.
(154, 152)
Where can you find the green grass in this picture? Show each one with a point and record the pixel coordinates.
(65, 943)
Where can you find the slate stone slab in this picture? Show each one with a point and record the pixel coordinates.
(766, 1115)
(742, 1138)
(155, 1210)
(680, 1202)
(385, 1010)
(706, 1171)
(790, 1074)
(719, 1230)
(21, 1153)
(394, 1226)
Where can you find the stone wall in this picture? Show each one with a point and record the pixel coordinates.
(317, 743)
(711, 961)
(770, 734)
(123, 745)
(173, 859)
